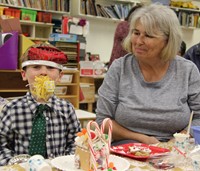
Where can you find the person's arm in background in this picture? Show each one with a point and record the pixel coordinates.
(120, 33)
(188, 54)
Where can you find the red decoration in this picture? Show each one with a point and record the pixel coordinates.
(48, 54)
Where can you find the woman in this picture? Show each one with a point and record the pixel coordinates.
(150, 92)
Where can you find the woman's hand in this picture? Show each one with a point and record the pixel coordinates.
(149, 140)
(121, 133)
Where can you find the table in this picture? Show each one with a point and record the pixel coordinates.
(84, 116)
(145, 166)
(140, 166)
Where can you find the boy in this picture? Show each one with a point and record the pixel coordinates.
(20, 116)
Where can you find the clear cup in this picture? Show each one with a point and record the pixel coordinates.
(181, 142)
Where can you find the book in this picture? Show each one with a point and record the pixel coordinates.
(83, 7)
(110, 12)
(116, 8)
(190, 20)
(93, 7)
(184, 18)
(196, 16)
(103, 11)
(99, 12)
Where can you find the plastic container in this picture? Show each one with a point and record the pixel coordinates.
(66, 78)
(1, 10)
(98, 68)
(196, 132)
(86, 68)
(61, 90)
(12, 12)
(45, 17)
(28, 14)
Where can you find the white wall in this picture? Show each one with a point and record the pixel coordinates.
(100, 38)
(191, 37)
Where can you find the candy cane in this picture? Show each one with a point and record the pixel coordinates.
(109, 134)
(109, 129)
(99, 132)
(93, 160)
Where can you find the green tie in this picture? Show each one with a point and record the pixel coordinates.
(38, 136)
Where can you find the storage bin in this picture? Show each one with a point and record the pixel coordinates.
(12, 12)
(196, 132)
(28, 14)
(86, 68)
(61, 90)
(1, 10)
(45, 17)
(9, 53)
(66, 78)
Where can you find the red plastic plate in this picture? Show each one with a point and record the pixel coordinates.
(124, 150)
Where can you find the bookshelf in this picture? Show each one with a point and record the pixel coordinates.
(72, 50)
(115, 10)
(189, 18)
(39, 31)
(12, 85)
(58, 6)
(36, 31)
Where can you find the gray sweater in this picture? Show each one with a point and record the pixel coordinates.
(157, 109)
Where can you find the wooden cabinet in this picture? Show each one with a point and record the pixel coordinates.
(90, 86)
(13, 86)
(73, 87)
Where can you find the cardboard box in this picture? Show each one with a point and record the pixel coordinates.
(11, 24)
(88, 92)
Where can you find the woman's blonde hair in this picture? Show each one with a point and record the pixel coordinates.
(156, 19)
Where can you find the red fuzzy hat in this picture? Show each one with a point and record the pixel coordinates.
(44, 54)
